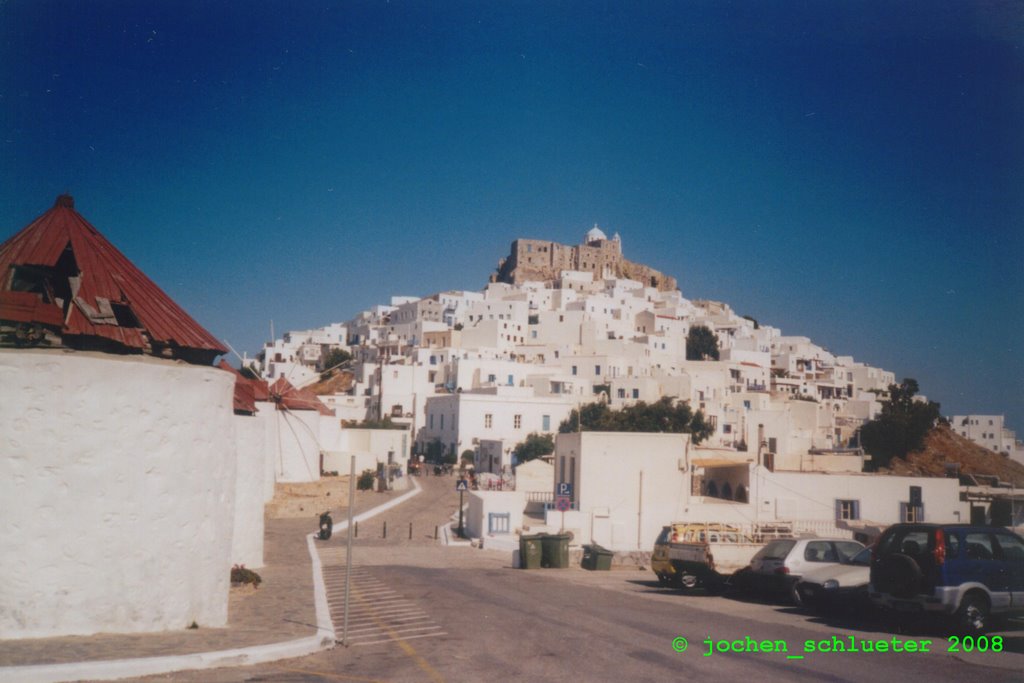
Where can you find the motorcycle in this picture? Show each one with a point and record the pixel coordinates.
(326, 526)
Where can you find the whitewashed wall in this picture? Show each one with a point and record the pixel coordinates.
(298, 448)
(250, 444)
(117, 494)
(483, 503)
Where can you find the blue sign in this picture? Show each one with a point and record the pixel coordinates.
(461, 485)
(563, 488)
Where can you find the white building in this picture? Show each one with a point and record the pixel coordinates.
(460, 421)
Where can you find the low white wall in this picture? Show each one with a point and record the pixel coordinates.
(247, 540)
(483, 503)
(117, 487)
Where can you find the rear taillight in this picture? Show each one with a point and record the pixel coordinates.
(782, 570)
(939, 554)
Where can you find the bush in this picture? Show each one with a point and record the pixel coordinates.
(240, 575)
(365, 480)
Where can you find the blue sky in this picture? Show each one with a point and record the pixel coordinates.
(851, 172)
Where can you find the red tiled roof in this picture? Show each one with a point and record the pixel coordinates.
(84, 287)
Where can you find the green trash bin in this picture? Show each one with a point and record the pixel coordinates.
(596, 558)
(530, 551)
(555, 551)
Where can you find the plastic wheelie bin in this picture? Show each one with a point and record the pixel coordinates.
(596, 557)
(555, 551)
(530, 551)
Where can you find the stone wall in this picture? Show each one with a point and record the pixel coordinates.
(543, 261)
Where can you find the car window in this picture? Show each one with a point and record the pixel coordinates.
(847, 549)
(820, 551)
(777, 550)
(663, 536)
(979, 546)
(914, 543)
(1011, 546)
(952, 544)
(862, 559)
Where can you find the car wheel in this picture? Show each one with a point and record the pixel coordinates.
(972, 618)
(795, 596)
(688, 581)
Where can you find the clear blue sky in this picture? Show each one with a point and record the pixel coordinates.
(848, 171)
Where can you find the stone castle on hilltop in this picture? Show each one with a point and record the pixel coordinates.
(544, 261)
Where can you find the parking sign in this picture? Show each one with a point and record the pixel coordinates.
(564, 488)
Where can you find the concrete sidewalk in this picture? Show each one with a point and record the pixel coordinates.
(263, 624)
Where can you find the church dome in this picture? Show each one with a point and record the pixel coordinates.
(595, 234)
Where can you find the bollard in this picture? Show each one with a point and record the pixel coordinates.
(385, 529)
(410, 531)
(435, 532)
(357, 530)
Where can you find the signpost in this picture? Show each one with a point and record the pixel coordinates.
(563, 499)
(461, 485)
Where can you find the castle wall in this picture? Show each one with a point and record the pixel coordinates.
(542, 261)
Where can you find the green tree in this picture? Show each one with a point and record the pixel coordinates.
(468, 455)
(385, 423)
(701, 344)
(664, 415)
(901, 427)
(534, 446)
(333, 358)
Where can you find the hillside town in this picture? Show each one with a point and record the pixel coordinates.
(120, 420)
(472, 374)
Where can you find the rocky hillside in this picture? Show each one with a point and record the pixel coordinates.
(943, 445)
(339, 382)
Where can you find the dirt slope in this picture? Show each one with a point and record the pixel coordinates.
(943, 445)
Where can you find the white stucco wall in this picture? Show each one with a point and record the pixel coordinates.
(298, 457)
(629, 483)
(250, 444)
(117, 494)
(483, 503)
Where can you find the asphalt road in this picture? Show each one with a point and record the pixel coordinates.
(423, 612)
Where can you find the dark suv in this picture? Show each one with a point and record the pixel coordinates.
(967, 572)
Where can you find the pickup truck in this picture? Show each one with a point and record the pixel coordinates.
(692, 554)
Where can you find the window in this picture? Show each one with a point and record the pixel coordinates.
(911, 513)
(574, 369)
(597, 370)
(636, 393)
(847, 509)
(622, 393)
(517, 422)
(488, 421)
(1011, 547)
(431, 421)
(511, 380)
(545, 422)
(442, 422)
(979, 546)
(492, 378)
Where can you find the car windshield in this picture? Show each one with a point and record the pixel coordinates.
(847, 549)
(862, 559)
(663, 536)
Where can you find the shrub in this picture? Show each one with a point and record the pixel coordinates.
(241, 575)
(365, 480)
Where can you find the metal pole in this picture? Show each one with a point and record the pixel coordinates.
(385, 528)
(410, 531)
(348, 551)
(460, 513)
(640, 513)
